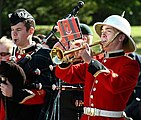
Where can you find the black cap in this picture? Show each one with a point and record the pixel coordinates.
(19, 16)
(85, 29)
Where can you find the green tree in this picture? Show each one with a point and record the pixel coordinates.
(48, 12)
(1, 7)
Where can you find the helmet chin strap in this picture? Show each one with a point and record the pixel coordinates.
(111, 40)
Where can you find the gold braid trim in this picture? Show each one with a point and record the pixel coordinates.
(101, 71)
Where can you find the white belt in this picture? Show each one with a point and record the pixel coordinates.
(104, 113)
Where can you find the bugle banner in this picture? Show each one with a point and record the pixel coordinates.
(69, 29)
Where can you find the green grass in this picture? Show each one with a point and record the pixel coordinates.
(136, 34)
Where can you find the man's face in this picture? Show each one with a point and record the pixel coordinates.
(107, 34)
(87, 38)
(20, 35)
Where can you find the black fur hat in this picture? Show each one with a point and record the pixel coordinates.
(19, 16)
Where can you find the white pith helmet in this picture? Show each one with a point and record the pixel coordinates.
(120, 24)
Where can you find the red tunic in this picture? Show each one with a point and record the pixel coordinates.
(103, 90)
(2, 110)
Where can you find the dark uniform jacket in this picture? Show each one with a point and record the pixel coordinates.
(133, 108)
(37, 83)
(16, 76)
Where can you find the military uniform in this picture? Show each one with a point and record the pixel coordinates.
(71, 105)
(45, 77)
(35, 61)
(103, 85)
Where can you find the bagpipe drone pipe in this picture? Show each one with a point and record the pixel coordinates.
(28, 57)
(71, 14)
(54, 87)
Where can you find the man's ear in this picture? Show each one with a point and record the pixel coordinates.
(31, 30)
(121, 37)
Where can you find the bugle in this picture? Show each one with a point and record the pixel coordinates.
(58, 55)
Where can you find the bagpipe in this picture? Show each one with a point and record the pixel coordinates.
(28, 57)
(70, 31)
(67, 19)
(70, 15)
(52, 97)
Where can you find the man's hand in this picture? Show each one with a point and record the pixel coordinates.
(85, 53)
(7, 89)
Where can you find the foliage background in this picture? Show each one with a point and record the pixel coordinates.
(48, 12)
